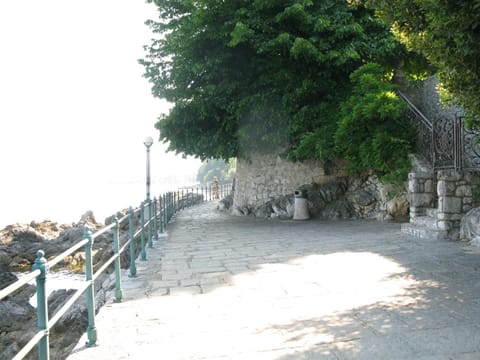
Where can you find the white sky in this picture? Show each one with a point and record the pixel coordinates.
(74, 108)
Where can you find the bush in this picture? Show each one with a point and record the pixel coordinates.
(372, 133)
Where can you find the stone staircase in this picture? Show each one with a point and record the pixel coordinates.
(425, 227)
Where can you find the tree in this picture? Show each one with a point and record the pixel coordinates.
(223, 170)
(260, 75)
(447, 32)
(372, 133)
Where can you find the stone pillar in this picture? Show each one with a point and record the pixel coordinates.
(420, 192)
(455, 197)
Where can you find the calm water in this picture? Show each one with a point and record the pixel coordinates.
(68, 205)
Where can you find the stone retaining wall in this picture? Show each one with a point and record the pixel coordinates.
(265, 177)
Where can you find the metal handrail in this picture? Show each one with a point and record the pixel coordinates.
(156, 221)
(18, 284)
(415, 110)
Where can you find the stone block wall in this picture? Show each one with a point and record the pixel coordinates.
(420, 192)
(457, 194)
(265, 177)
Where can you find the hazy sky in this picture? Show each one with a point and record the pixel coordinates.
(74, 108)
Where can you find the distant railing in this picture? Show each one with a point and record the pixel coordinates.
(153, 215)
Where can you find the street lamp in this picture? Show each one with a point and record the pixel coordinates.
(148, 142)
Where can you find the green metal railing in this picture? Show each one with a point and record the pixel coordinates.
(144, 225)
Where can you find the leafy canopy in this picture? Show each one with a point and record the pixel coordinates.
(260, 75)
(372, 133)
(448, 34)
(222, 169)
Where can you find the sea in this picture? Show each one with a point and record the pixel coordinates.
(68, 206)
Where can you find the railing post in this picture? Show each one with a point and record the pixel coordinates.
(142, 232)
(42, 306)
(169, 205)
(165, 213)
(162, 211)
(91, 329)
(133, 268)
(155, 218)
(149, 228)
(116, 248)
(165, 207)
(174, 203)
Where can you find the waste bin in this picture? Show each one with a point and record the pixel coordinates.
(301, 206)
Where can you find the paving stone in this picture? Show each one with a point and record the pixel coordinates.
(224, 287)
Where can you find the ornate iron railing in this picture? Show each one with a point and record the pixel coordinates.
(424, 127)
(444, 142)
(153, 215)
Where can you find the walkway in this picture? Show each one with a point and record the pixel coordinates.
(224, 287)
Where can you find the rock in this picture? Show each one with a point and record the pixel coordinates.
(398, 206)
(226, 203)
(18, 246)
(470, 227)
(6, 277)
(283, 206)
(17, 324)
(337, 210)
(71, 326)
(362, 197)
(20, 242)
(264, 211)
(87, 218)
(241, 211)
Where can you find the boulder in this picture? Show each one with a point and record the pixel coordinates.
(361, 197)
(226, 203)
(337, 210)
(18, 246)
(470, 227)
(264, 211)
(398, 206)
(283, 207)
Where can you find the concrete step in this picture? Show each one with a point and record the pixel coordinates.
(424, 221)
(423, 232)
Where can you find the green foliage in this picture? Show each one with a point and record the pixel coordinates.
(223, 170)
(259, 75)
(448, 34)
(372, 133)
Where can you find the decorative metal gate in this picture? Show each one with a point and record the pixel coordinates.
(470, 156)
(445, 142)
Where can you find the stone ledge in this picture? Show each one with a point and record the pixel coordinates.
(423, 232)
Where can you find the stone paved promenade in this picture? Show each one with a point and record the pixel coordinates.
(224, 287)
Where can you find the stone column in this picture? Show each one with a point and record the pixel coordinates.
(455, 197)
(420, 193)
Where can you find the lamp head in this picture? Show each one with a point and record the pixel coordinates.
(148, 141)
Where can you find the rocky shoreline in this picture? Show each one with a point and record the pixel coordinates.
(18, 246)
